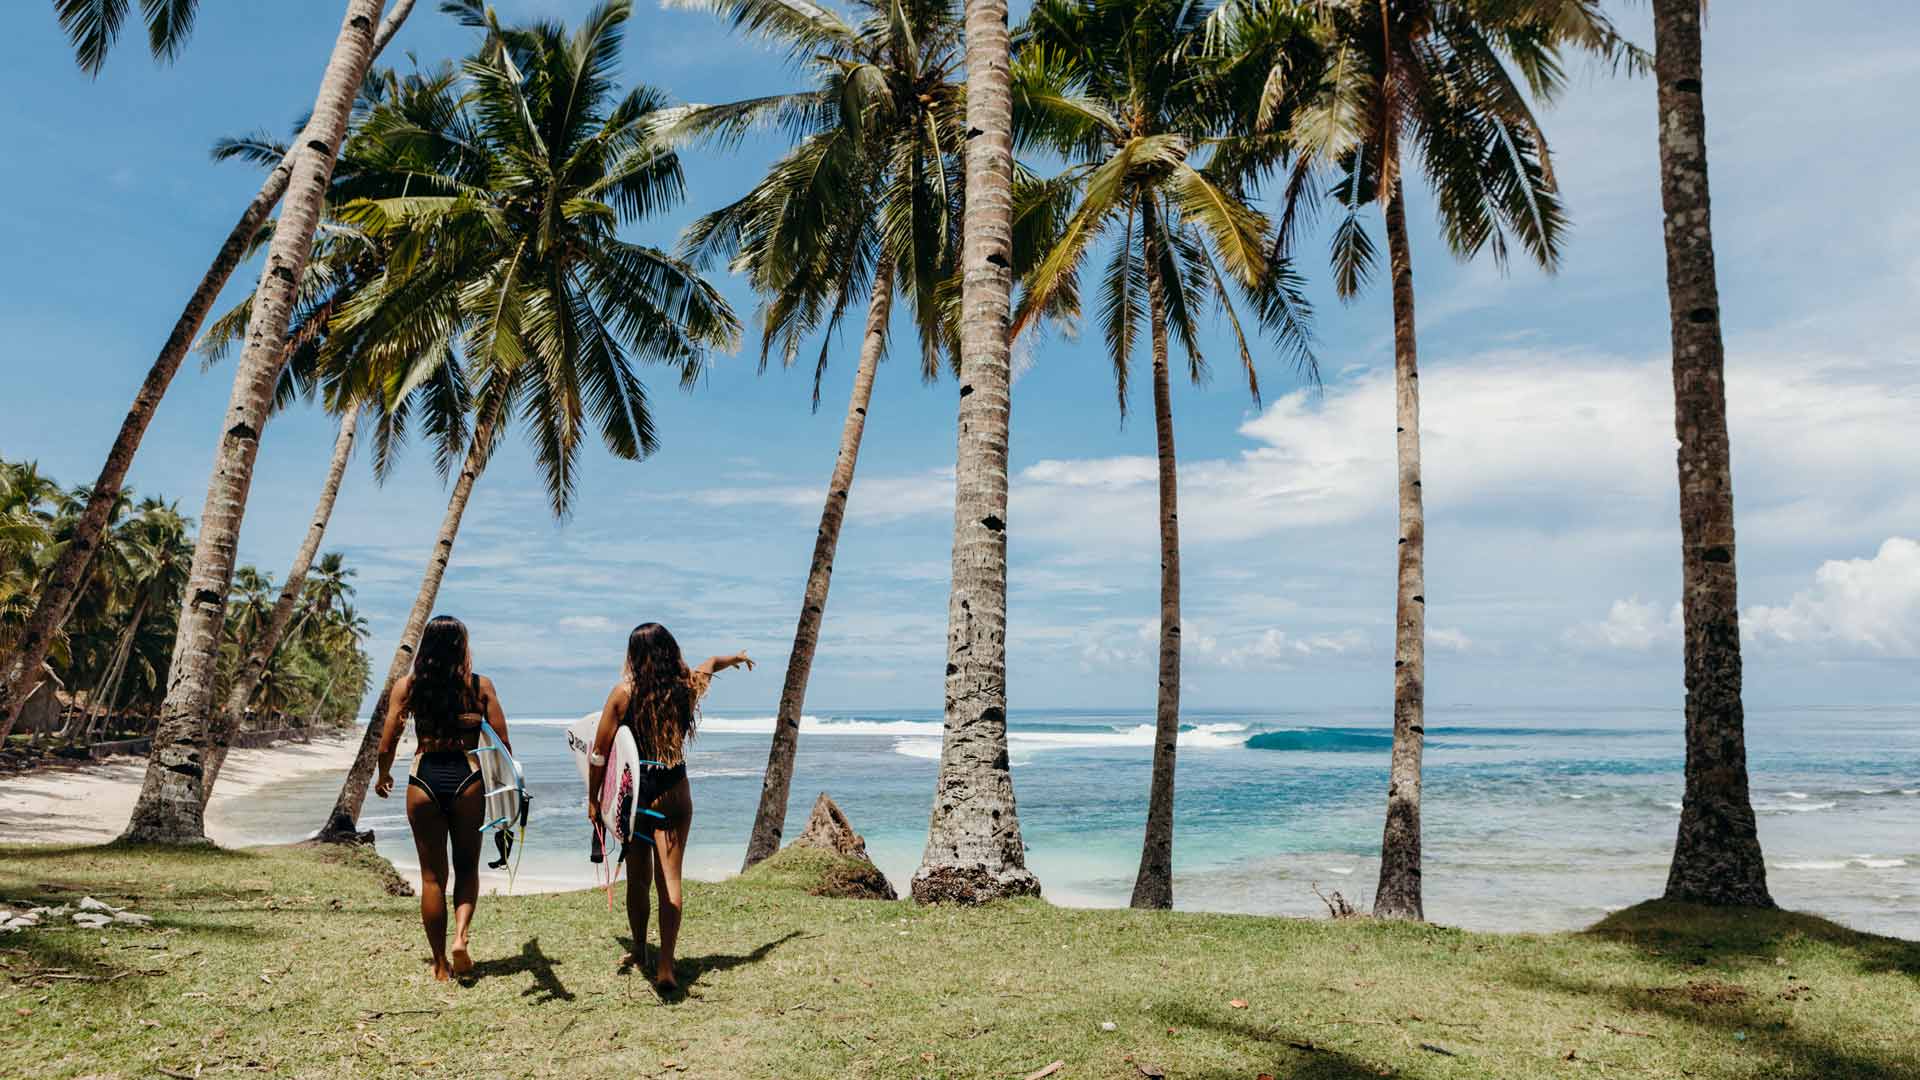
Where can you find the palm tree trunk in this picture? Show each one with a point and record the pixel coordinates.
(1399, 894)
(79, 730)
(1153, 885)
(111, 697)
(21, 673)
(343, 820)
(320, 710)
(1716, 859)
(770, 820)
(254, 668)
(974, 853)
(169, 809)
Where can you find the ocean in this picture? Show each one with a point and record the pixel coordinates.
(1534, 819)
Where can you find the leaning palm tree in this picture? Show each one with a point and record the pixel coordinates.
(398, 123)
(1716, 859)
(1151, 129)
(93, 25)
(1437, 80)
(865, 203)
(169, 809)
(511, 291)
(974, 852)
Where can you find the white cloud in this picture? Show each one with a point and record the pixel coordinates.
(1632, 625)
(588, 624)
(878, 497)
(1277, 648)
(1865, 607)
(1563, 434)
(1448, 639)
(1855, 608)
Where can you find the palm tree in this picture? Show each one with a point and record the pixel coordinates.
(169, 809)
(155, 549)
(974, 852)
(1150, 128)
(263, 646)
(323, 584)
(866, 202)
(93, 28)
(513, 262)
(93, 25)
(1716, 859)
(1437, 79)
(341, 630)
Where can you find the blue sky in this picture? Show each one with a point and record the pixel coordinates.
(1552, 541)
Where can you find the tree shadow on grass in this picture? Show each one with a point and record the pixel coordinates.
(1283, 1051)
(1692, 936)
(1730, 1016)
(546, 984)
(36, 956)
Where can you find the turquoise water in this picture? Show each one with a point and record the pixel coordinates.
(1534, 819)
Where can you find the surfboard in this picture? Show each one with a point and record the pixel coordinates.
(503, 782)
(620, 812)
(507, 801)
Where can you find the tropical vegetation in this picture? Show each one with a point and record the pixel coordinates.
(449, 259)
(110, 664)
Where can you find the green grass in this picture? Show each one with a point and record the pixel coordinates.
(289, 962)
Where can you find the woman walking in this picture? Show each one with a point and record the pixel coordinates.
(446, 801)
(657, 698)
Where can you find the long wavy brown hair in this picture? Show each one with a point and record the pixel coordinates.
(442, 687)
(661, 705)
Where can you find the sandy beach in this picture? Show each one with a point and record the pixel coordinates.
(90, 804)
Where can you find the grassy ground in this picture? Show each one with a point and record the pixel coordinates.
(290, 962)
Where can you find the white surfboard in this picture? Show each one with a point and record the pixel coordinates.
(505, 785)
(507, 802)
(620, 810)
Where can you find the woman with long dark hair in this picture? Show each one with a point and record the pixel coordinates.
(446, 802)
(658, 699)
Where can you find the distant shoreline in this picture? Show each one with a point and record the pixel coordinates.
(91, 803)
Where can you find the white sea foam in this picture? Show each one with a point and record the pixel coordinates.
(1341, 870)
(1860, 862)
(920, 748)
(1794, 794)
(1676, 806)
(1795, 808)
(924, 740)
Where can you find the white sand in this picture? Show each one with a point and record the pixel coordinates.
(91, 804)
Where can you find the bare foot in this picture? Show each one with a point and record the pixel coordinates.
(462, 959)
(441, 973)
